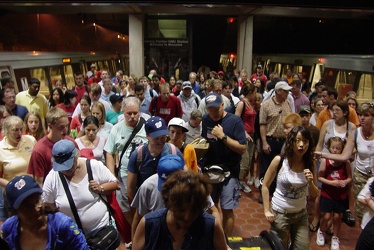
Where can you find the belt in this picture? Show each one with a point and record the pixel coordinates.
(275, 138)
(284, 211)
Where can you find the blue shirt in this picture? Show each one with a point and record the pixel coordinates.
(20, 111)
(63, 233)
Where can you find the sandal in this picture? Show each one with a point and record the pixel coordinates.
(313, 228)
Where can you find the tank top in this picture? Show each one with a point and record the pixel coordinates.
(331, 132)
(365, 153)
(291, 190)
(249, 118)
(335, 173)
(98, 151)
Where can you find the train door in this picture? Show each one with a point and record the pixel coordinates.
(365, 88)
(316, 73)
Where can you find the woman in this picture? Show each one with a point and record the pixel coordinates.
(76, 121)
(34, 227)
(172, 82)
(316, 105)
(362, 139)
(56, 97)
(92, 211)
(33, 125)
(15, 152)
(98, 111)
(247, 113)
(70, 98)
(296, 175)
(4, 113)
(90, 140)
(352, 102)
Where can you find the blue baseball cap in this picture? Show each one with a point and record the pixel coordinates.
(19, 188)
(167, 165)
(63, 153)
(156, 126)
(213, 100)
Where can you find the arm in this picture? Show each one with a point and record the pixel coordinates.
(131, 185)
(268, 179)
(219, 237)
(312, 181)
(103, 188)
(139, 237)
(322, 134)
(234, 145)
(110, 162)
(239, 109)
(135, 223)
(345, 155)
(265, 146)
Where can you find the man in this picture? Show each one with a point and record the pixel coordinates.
(8, 98)
(7, 83)
(144, 103)
(41, 157)
(259, 74)
(305, 114)
(107, 89)
(227, 142)
(104, 74)
(183, 224)
(149, 92)
(272, 132)
(118, 78)
(155, 83)
(189, 100)
(95, 95)
(117, 139)
(243, 79)
(33, 100)
(298, 97)
(271, 93)
(329, 97)
(140, 169)
(116, 101)
(217, 88)
(165, 105)
(80, 88)
(227, 91)
(193, 126)
(195, 85)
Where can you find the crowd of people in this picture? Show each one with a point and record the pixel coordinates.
(137, 134)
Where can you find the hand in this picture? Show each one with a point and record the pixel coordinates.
(217, 131)
(249, 138)
(308, 175)
(95, 186)
(266, 148)
(317, 155)
(269, 216)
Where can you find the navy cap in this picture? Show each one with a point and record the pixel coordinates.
(167, 165)
(63, 153)
(115, 98)
(19, 188)
(213, 100)
(156, 126)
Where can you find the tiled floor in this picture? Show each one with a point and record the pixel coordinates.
(250, 221)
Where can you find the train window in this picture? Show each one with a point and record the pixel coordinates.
(54, 74)
(41, 75)
(345, 81)
(69, 76)
(365, 88)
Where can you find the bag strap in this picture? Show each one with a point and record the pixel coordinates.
(134, 132)
(356, 132)
(183, 147)
(280, 164)
(90, 178)
(71, 201)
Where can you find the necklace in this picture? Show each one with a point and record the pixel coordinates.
(367, 135)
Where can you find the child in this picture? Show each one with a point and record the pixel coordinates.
(335, 177)
(33, 125)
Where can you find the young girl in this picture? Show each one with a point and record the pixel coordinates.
(295, 174)
(334, 177)
(33, 125)
(56, 97)
(77, 120)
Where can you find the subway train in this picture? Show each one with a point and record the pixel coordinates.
(51, 66)
(343, 72)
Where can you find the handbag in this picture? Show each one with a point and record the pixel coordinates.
(106, 238)
(215, 173)
(201, 147)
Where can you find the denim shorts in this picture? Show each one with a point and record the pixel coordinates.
(227, 192)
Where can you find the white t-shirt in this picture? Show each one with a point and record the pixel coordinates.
(91, 209)
(365, 153)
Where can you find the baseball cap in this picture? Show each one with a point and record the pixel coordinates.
(304, 108)
(63, 153)
(220, 72)
(178, 122)
(213, 100)
(259, 66)
(186, 84)
(282, 85)
(19, 188)
(115, 98)
(167, 165)
(87, 153)
(156, 126)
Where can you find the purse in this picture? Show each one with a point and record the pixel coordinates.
(201, 147)
(215, 173)
(107, 237)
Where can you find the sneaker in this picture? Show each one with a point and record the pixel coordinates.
(348, 218)
(257, 182)
(128, 245)
(250, 181)
(245, 188)
(320, 238)
(335, 243)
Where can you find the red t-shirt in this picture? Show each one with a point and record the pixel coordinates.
(69, 110)
(81, 92)
(41, 157)
(335, 173)
(167, 110)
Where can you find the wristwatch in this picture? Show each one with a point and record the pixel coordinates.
(224, 138)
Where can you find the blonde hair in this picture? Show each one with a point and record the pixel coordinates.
(101, 107)
(40, 132)
(292, 118)
(9, 122)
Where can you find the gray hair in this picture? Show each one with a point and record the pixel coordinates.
(10, 122)
(130, 100)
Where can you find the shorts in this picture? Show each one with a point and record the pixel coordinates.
(329, 206)
(227, 193)
(121, 195)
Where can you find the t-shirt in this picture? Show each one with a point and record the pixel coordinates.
(166, 110)
(14, 160)
(41, 157)
(81, 91)
(192, 133)
(76, 123)
(20, 111)
(37, 103)
(112, 116)
(218, 152)
(68, 110)
(92, 211)
(338, 172)
(326, 115)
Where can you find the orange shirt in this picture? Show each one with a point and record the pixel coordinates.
(325, 115)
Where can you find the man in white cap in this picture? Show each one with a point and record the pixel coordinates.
(189, 100)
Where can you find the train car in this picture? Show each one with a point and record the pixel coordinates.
(343, 72)
(48, 67)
